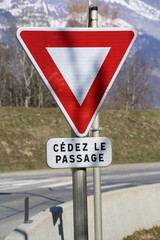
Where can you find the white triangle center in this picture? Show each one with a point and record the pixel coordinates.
(79, 66)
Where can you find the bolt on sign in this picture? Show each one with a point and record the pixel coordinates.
(79, 152)
(78, 65)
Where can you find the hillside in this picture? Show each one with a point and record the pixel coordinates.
(24, 133)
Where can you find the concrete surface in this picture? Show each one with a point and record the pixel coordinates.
(124, 211)
(68, 171)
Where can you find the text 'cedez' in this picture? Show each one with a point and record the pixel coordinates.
(78, 152)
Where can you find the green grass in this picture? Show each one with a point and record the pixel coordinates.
(135, 135)
(150, 234)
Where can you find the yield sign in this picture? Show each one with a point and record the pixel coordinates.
(78, 65)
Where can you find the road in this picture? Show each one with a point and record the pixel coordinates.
(49, 188)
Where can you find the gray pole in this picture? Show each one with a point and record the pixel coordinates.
(97, 190)
(96, 171)
(89, 14)
(80, 215)
(94, 16)
(26, 210)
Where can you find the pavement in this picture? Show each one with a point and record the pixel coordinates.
(68, 171)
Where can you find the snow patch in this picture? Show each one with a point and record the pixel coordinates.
(6, 4)
(139, 7)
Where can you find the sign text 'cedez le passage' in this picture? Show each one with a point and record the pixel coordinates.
(78, 152)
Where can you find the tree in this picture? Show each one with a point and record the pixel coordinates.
(107, 14)
(6, 77)
(132, 90)
(77, 13)
(28, 79)
(3, 79)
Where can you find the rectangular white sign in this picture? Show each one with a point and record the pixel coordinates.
(79, 152)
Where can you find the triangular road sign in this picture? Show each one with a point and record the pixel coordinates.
(78, 65)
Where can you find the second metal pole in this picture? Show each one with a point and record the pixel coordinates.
(96, 171)
(97, 190)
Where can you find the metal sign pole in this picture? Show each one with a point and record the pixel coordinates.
(80, 216)
(89, 14)
(96, 171)
(97, 190)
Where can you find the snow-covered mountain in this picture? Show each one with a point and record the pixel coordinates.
(30, 13)
(144, 15)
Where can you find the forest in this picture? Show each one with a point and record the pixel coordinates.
(21, 85)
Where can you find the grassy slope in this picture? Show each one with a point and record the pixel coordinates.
(150, 234)
(24, 133)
